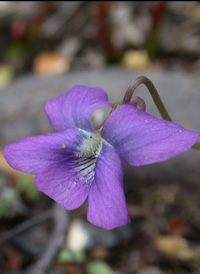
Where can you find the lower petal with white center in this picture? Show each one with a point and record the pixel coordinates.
(107, 206)
(65, 183)
(68, 181)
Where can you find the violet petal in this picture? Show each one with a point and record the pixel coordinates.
(142, 139)
(63, 182)
(32, 154)
(75, 107)
(107, 206)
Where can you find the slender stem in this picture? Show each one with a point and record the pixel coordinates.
(159, 104)
(114, 107)
(156, 98)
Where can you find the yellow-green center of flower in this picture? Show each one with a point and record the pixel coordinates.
(91, 145)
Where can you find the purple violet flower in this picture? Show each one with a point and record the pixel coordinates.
(77, 163)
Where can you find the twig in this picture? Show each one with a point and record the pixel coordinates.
(61, 220)
(25, 225)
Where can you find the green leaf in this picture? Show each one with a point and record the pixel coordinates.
(98, 267)
(6, 203)
(6, 75)
(69, 256)
(25, 182)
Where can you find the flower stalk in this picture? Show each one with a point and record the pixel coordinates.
(156, 98)
(154, 93)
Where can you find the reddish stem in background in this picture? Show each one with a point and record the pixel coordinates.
(104, 32)
(152, 38)
(46, 8)
(157, 15)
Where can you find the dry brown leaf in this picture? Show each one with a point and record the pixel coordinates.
(50, 63)
(136, 59)
(4, 166)
(174, 246)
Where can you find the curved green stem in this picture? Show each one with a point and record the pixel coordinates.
(156, 98)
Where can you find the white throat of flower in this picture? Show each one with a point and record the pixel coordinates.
(87, 154)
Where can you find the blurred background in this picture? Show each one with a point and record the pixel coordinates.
(45, 49)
